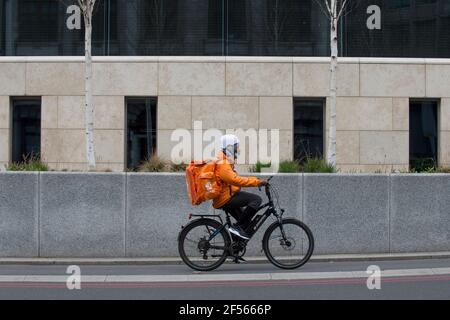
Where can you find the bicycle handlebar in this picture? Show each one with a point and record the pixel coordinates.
(267, 189)
(267, 185)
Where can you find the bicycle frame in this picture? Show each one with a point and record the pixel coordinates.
(261, 218)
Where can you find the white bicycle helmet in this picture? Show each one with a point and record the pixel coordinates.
(229, 144)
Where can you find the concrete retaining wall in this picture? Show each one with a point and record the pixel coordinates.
(139, 215)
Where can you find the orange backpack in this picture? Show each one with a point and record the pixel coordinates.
(201, 181)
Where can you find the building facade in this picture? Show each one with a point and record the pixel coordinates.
(161, 65)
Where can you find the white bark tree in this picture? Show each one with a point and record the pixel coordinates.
(334, 10)
(87, 9)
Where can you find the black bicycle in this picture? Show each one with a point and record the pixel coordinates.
(205, 243)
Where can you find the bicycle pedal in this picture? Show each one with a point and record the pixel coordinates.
(238, 260)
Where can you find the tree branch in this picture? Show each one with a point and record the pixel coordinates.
(324, 10)
(328, 7)
(351, 6)
(344, 4)
(82, 5)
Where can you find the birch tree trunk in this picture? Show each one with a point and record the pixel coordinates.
(334, 10)
(331, 154)
(89, 110)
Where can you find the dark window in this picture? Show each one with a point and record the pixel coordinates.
(444, 35)
(162, 27)
(424, 2)
(38, 27)
(152, 29)
(238, 18)
(141, 130)
(308, 128)
(26, 128)
(215, 42)
(236, 24)
(426, 42)
(423, 134)
(215, 19)
(37, 13)
(275, 28)
(409, 28)
(399, 3)
(2, 28)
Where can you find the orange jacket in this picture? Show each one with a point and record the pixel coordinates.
(230, 181)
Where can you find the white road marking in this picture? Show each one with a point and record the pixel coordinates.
(312, 275)
(440, 271)
(408, 272)
(12, 279)
(146, 278)
(208, 277)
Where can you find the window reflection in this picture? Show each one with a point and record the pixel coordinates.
(225, 27)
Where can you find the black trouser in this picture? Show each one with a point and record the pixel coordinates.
(243, 199)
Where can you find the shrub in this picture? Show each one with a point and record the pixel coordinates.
(259, 166)
(154, 164)
(317, 165)
(289, 166)
(31, 162)
(425, 165)
(157, 164)
(181, 167)
(430, 170)
(311, 165)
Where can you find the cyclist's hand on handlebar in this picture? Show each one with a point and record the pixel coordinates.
(263, 183)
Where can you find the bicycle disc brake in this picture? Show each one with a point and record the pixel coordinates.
(288, 244)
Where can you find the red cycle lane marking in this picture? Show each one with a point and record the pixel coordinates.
(209, 284)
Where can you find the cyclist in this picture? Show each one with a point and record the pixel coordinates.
(231, 197)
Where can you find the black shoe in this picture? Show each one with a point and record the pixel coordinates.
(238, 260)
(239, 232)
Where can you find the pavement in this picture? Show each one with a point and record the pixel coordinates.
(399, 279)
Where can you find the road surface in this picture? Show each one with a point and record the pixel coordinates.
(403, 279)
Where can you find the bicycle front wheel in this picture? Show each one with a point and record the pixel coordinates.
(204, 244)
(288, 245)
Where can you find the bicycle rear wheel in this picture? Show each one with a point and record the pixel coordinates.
(290, 252)
(204, 244)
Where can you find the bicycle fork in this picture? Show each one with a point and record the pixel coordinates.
(284, 240)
